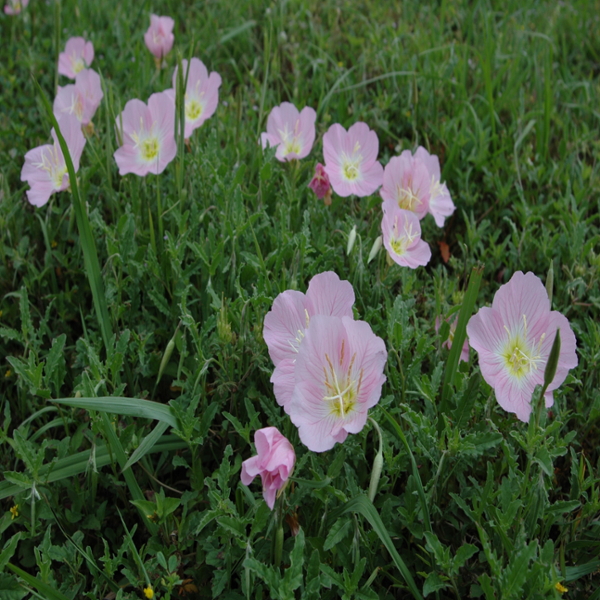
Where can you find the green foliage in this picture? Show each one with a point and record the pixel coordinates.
(133, 368)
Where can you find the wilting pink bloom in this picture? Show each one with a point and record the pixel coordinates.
(45, 169)
(159, 38)
(286, 324)
(274, 463)
(80, 99)
(201, 94)
(78, 55)
(513, 339)
(148, 134)
(402, 236)
(338, 376)
(351, 160)
(291, 131)
(320, 185)
(14, 7)
(464, 353)
(440, 202)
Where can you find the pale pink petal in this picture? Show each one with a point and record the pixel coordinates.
(283, 325)
(327, 294)
(431, 161)
(283, 380)
(441, 206)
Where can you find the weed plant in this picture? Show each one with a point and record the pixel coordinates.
(105, 495)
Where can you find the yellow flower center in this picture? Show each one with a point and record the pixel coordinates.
(521, 358)
(350, 165)
(400, 243)
(14, 512)
(407, 199)
(149, 148)
(78, 65)
(193, 109)
(341, 392)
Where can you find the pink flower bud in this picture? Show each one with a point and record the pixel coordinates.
(274, 463)
(320, 185)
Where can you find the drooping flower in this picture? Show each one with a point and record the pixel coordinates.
(464, 352)
(148, 135)
(292, 132)
(286, 323)
(402, 236)
(14, 7)
(440, 202)
(320, 185)
(513, 339)
(338, 377)
(78, 55)
(351, 160)
(201, 94)
(159, 38)
(274, 462)
(45, 169)
(80, 99)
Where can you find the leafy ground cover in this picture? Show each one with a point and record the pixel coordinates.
(105, 495)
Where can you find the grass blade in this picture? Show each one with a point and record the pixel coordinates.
(460, 334)
(88, 245)
(363, 506)
(415, 469)
(147, 444)
(134, 407)
(43, 588)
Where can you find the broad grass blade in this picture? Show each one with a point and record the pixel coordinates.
(134, 407)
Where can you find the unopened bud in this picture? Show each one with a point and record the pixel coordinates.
(351, 240)
(550, 282)
(375, 249)
(552, 363)
(375, 475)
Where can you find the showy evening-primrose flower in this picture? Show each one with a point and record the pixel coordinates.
(402, 236)
(201, 94)
(351, 160)
(289, 318)
(45, 168)
(78, 55)
(148, 135)
(159, 37)
(513, 339)
(291, 131)
(338, 377)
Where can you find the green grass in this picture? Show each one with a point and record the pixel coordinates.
(506, 94)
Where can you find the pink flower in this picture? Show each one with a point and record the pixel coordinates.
(406, 181)
(14, 7)
(148, 134)
(80, 99)
(513, 339)
(464, 353)
(45, 169)
(351, 160)
(201, 94)
(291, 131)
(320, 185)
(402, 236)
(78, 55)
(338, 377)
(274, 463)
(413, 182)
(159, 38)
(440, 202)
(286, 324)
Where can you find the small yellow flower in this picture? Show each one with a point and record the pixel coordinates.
(561, 588)
(54, 244)
(149, 592)
(14, 512)
(8, 373)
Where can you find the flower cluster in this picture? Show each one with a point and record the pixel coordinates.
(328, 369)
